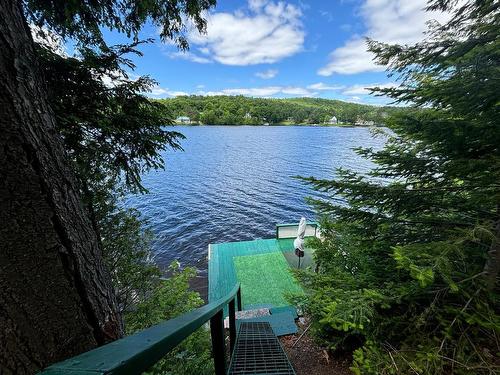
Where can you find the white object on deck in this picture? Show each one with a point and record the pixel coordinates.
(298, 243)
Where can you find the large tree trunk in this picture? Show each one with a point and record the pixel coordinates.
(56, 298)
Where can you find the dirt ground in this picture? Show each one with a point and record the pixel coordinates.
(309, 359)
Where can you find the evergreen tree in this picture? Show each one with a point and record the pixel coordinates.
(113, 134)
(409, 256)
(56, 294)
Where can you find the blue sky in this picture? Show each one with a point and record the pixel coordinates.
(292, 48)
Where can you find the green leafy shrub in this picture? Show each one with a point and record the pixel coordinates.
(169, 298)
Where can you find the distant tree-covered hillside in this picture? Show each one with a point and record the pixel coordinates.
(240, 110)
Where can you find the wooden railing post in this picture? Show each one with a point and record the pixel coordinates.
(232, 325)
(218, 345)
(238, 295)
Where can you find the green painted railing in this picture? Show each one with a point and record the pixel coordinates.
(138, 352)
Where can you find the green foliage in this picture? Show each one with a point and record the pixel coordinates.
(410, 259)
(112, 131)
(113, 134)
(170, 298)
(127, 253)
(240, 110)
(145, 297)
(84, 20)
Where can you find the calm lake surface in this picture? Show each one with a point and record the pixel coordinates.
(235, 183)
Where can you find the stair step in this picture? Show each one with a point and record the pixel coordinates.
(291, 309)
(258, 306)
(258, 351)
(281, 323)
(248, 314)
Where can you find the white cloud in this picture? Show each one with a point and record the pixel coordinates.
(265, 32)
(354, 93)
(177, 93)
(365, 89)
(389, 21)
(352, 58)
(48, 39)
(299, 91)
(324, 87)
(117, 77)
(186, 55)
(265, 91)
(158, 92)
(267, 74)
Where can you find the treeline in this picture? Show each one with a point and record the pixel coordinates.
(241, 110)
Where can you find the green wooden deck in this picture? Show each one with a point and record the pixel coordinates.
(259, 265)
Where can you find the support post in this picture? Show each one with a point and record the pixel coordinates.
(218, 345)
(238, 294)
(232, 325)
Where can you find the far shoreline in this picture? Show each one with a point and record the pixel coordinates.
(285, 125)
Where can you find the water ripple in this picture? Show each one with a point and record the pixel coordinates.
(236, 183)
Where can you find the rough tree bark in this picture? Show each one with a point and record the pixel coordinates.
(56, 298)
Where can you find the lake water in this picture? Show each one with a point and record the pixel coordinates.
(235, 183)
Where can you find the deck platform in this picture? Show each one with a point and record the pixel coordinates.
(261, 266)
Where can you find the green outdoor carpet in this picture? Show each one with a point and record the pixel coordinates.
(281, 323)
(289, 309)
(306, 261)
(265, 278)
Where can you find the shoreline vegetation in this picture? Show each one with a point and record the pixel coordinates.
(323, 125)
(241, 110)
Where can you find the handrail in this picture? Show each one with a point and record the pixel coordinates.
(313, 224)
(138, 352)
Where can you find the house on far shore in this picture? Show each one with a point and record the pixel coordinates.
(333, 121)
(248, 116)
(183, 120)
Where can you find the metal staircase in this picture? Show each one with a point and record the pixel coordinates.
(258, 351)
